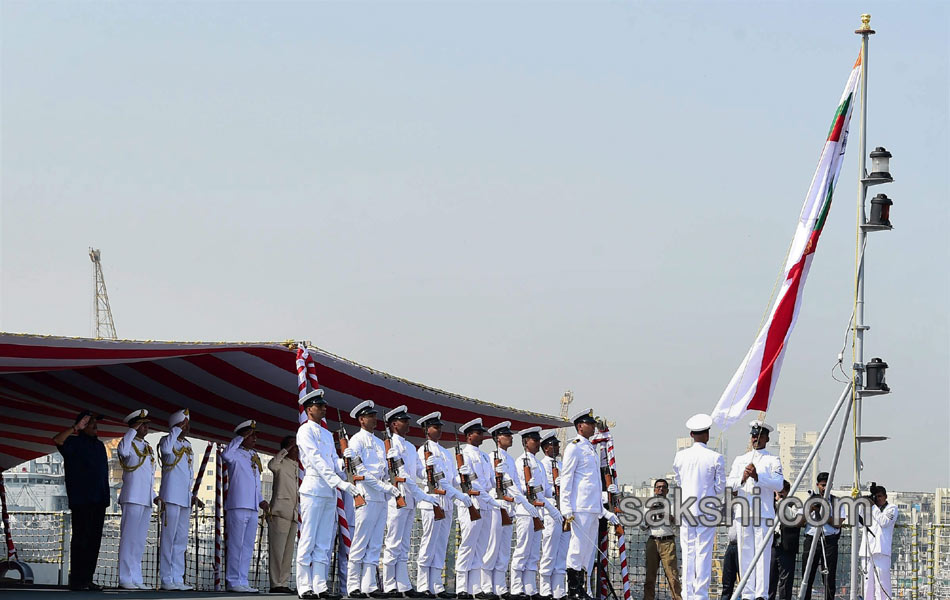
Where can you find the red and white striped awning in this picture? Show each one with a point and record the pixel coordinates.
(45, 381)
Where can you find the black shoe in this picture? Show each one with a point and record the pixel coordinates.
(446, 595)
(484, 596)
(414, 594)
(356, 594)
(464, 596)
(395, 594)
(329, 596)
(93, 587)
(308, 594)
(378, 594)
(430, 595)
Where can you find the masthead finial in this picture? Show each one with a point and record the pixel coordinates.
(865, 25)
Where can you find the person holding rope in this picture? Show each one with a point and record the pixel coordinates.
(282, 524)
(554, 539)
(756, 476)
(244, 500)
(138, 493)
(87, 488)
(700, 473)
(581, 503)
(176, 457)
(878, 532)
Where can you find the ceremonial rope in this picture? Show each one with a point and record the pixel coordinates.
(607, 439)
(218, 489)
(142, 454)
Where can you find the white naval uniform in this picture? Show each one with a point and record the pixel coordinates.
(318, 493)
(876, 550)
(241, 509)
(475, 535)
(700, 473)
(581, 497)
(527, 552)
(177, 477)
(554, 542)
(433, 544)
(769, 470)
(498, 551)
(399, 520)
(138, 493)
(370, 520)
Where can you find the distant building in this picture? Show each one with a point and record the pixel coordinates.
(941, 515)
(793, 451)
(37, 485)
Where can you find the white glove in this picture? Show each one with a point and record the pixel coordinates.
(465, 470)
(500, 468)
(349, 488)
(532, 482)
(613, 489)
(557, 481)
(431, 500)
(393, 490)
(611, 517)
(533, 511)
(568, 515)
(430, 462)
(348, 453)
(466, 500)
(393, 453)
(556, 516)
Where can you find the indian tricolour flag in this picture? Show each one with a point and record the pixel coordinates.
(751, 387)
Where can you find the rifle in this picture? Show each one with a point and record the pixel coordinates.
(532, 493)
(465, 481)
(432, 483)
(611, 498)
(555, 474)
(348, 465)
(500, 491)
(394, 477)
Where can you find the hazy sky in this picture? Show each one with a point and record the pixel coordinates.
(502, 200)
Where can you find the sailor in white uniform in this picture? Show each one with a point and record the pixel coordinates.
(399, 521)
(554, 540)
(241, 508)
(177, 458)
(498, 552)
(138, 493)
(532, 482)
(435, 533)
(877, 538)
(581, 503)
(756, 476)
(368, 456)
(700, 473)
(323, 475)
(474, 535)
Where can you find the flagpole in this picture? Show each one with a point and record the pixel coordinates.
(859, 327)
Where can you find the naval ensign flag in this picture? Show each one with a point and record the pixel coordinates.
(751, 387)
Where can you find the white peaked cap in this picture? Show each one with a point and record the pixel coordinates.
(474, 422)
(499, 427)
(587, 412)
(249, 423)
(762, 424)
(314, 395)
(361, 406)
(138, 415)
(396, 411)
(437, 416)
(699, 422)
(548, 434)
(178, 417)
(535, 429)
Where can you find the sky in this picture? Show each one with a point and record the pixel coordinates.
(504, 200)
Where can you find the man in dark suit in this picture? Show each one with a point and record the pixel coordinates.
(784, 552)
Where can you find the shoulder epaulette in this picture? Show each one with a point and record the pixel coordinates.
(575, 440)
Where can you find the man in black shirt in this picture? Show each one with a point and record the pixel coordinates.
(784, 552)
(87, 487)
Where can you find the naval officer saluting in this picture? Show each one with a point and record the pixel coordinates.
(138, 493)
(176, 457)
(322, 477)
(581, 503)
(700, 473)
(244, 500)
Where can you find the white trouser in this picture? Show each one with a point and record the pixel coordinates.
(748, 539)
(524, 560)
(877, 579)
(551, 567)
(468, 559)
(365, 545)
(496, 555)
(171, 565)
(318, 523)
(241, 526)
(432, 546)
(696, 544)
(133, 532)
(396, 545)
(580, 550)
